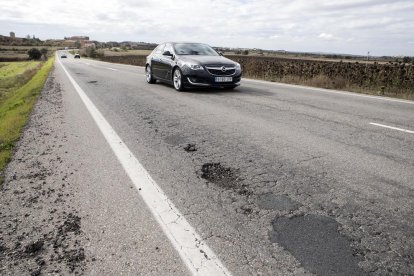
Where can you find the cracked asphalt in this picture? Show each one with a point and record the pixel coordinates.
(277, 180)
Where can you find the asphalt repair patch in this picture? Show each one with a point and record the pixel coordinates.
(316, 243)
(277, 202)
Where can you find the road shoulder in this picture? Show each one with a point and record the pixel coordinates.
(40, 229)
(67, 205)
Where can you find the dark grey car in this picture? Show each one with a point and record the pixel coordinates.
(191, 65)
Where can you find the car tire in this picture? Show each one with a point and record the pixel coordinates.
(148, 73)
(178, 79)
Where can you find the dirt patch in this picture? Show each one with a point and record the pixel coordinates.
(71, 224)
(316, 243)
(175, 139)
(34, 247)
(224, 177)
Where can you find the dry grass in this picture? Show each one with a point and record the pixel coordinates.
(108, 52)
(15, 74)
(19, 53)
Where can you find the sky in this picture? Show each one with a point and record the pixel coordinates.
(381, 27)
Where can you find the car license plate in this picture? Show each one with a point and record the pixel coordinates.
(224, 79)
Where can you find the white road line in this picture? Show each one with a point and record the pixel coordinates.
(391, 127)
(111, 68)
(330, 91)
(197, 255)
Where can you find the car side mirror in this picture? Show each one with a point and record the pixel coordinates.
(168, 54)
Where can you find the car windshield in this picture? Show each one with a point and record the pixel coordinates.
(194, 49)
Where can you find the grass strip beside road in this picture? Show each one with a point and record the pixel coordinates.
(15, 74)
(17, 100)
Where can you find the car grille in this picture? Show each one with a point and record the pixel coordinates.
(218, 71)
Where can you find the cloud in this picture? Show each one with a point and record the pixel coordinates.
(331, 37)
(274, 36)
(297, 25)
(326, 36)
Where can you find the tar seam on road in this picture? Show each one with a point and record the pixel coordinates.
(198, 257)
(391, 127)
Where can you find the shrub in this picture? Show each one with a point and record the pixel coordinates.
(407, 59)
(91, 52)
(34, 53)
(320, 81)
(44, 52)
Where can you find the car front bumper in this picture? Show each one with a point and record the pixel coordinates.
(202, 78)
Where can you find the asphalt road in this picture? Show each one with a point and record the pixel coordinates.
(275, 179)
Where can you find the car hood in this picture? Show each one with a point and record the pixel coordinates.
(207, 60)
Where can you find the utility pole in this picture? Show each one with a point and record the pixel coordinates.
(366, 63)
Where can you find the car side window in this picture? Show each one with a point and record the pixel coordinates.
(160, 49)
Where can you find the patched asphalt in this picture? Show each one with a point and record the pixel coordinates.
(316, 242)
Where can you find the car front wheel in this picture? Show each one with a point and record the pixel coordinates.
(148, 74)
(178, 80)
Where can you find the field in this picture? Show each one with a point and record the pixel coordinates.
(394, 79)
(19, 53)
(20, 84)
(15, 74)
(391, 79)
(108, 52)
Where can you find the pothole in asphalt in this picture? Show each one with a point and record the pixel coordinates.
(93, 81)
(190, 148)
(316, 243)
(277, 202)
(222, 176)
(175, 139)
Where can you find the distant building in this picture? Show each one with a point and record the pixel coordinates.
(11, 40)
(12, 35)
(90, 44)
(80, 38)
(77, 41)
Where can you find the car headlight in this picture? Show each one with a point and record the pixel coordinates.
(195, 66)
(238, 66)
